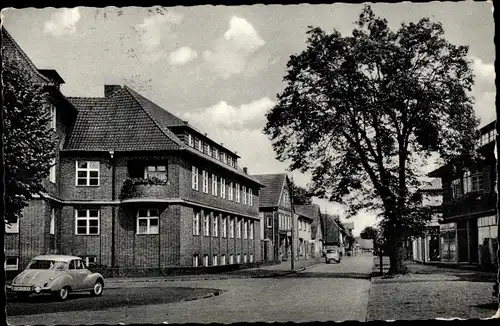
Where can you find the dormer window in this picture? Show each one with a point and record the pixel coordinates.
(200, 145)
(206, 148)
(190, 140)
(223, 156)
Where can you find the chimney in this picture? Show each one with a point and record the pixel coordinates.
(245, 169)
(110, 89)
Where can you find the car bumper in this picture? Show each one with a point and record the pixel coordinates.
(28, 289)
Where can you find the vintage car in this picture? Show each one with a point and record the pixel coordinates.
(58, 275)
(332, 255)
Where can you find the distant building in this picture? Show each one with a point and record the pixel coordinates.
(310, 234)
(363, 245)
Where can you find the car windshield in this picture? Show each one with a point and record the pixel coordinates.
(47, 264)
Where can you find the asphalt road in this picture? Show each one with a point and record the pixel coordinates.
(292, 298)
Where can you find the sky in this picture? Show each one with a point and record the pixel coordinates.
(220, 67)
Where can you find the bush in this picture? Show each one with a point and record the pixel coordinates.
(129, 185)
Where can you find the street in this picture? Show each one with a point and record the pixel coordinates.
(313, 295)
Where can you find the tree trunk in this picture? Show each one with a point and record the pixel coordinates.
(397, 257)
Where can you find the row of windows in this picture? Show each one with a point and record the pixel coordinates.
(469, 182)
(13, 226)
(218, 223)
(213, 151)
(219, 187)
(487, 138)
(304, 226)
(284, 221)
(12, 263)
(223, 261)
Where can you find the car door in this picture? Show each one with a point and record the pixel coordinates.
(78, 273)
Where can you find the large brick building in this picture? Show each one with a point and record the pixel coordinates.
(136, 187)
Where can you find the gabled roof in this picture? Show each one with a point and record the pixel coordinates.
(312, 211)
(271, 194)
(12, 50)
(52, 74)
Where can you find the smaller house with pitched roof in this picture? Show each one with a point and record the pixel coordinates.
(275, 209)
(310, 242)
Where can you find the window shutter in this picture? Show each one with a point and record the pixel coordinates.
(487, 179)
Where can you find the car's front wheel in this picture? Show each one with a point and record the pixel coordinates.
(97, 289)
(62, 294)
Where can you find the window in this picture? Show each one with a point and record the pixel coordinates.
(223, 156)
(237, 192)
(231, 227)
(200, 145)
(224, 227)
(251, 258)
(196, 259)
(223, 259)
(213, 151)
(300, 224)
(251, 231)
(205, 260)
(12, 226)
(250, 197)
(205, 181)
(148, 221)
(196, 223)
(52, 171)
(215, 228)
(206, 223)
(223, 188)
(52, 222)
(238, 229)
(216, 153)
(53, 117)
(456, 190)
(206, 148)
(194, 178)
(87, 222)
(238, 259)
(231, 259)
(155, 171)
(244, 192)
(269, 222)
(230, 192)
(245, 230)
(190, 140)
(230, 160)
(90, 260)
(214, 184)
(215, 260)
(245, 258)
(11, 263)
(87, 173)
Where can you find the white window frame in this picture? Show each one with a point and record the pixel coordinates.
(250, 197)
(238, 258)
(238, 229)
(205, 260)
(11, 267)
(52, 228)
(230, 192)
(223, 188)
(206, 148)
(149, 217)
(215, 260)
(245, 230)
(224, 227)
(214, 184)
(196, 222)
(245, 258)
(88, 170)
(244, 192)
(231, 259)
(52, 171)
(190, 140)
(88, 219)
(237, 191)
(206, 224)
(269, 221)
(223, 156)
(196, 260)
(53, 117)
(251, 231)
(87, 260)
(223, 259)
(231, 228)
(13, 228)
(205, 181)
(194, 178)
(215, 225)
(251, 258)
(200, 145)
(217, 153)
(162, 175)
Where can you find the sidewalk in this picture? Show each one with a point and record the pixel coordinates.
(259, 272)
(429, 292)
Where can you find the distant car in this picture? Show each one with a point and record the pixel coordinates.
(58, 275)
(332, 255)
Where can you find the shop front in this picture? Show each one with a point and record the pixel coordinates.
(448, 234)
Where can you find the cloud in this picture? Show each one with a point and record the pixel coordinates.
(157, 28)
(484, 90)
(63, 22)
(483, 70)
(182, 55)
(250, 116)
(234, 49)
